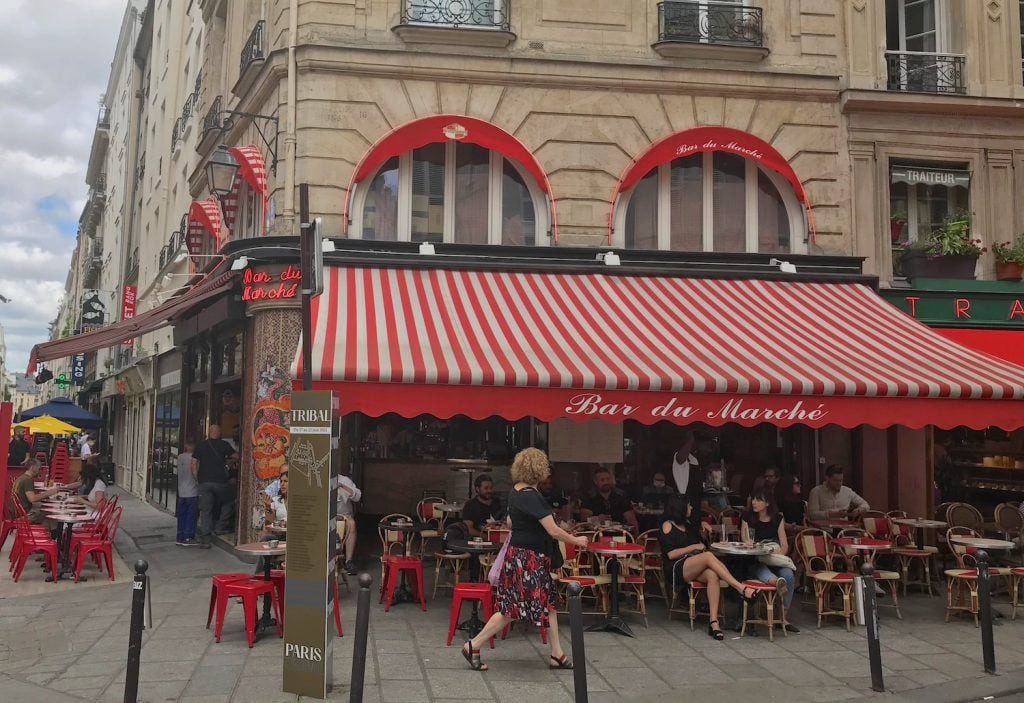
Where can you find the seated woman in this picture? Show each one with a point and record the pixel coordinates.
(687, 556)
(93, 491)
(764, 523)
(791, 501)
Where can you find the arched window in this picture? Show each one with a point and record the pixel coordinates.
(453, 192)
(711, 201)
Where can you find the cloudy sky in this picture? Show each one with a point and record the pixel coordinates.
(54, 59)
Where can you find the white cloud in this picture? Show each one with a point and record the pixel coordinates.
(54, 62)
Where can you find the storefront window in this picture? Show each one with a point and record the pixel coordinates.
(433, 439)
(166, 420)
(450, 192)
(921, 200)
(711, 201)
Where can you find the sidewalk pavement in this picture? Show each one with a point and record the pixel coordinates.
(71, 645)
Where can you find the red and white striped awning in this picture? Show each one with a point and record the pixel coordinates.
(646, 348)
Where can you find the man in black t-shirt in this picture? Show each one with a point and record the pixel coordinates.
(18, 449)
(555, 497)
(482, 508)
(477, 512)
(210, 468)
(608, 502)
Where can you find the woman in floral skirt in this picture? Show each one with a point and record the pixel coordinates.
(526, 590)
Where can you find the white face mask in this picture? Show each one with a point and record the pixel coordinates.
(659, 484)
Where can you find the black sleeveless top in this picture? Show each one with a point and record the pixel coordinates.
(763, 531)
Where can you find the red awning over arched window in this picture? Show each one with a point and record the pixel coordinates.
(443, 128)
(700, 139)
(206, 215)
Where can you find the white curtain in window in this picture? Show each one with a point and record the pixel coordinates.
(380, 211)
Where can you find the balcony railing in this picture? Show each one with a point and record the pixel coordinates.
(173, 246)
(103, 118)
(710, 23)
(253, 50)
(922, 72)
(212, 120)
(132, 267)
(471, 14)
(176, 132)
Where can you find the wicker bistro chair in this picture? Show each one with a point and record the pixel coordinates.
(433, 520)
(695, 590)
(909, 555)
(962, 581)
(1010, 526)
(767, 609)
(392, 542)
(966, 515)
(652, 563)
(1017, 577)
(853, 557)
(593, 585)
(631, 580)
(818, 557)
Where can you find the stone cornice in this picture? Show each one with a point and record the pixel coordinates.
(875, 101)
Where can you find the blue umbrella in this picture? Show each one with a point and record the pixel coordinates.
(63, 409)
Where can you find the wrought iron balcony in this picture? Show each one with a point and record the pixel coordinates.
(176, 132)
(253, 50)
(103, 118)
(922, 72)
(456, 14)
(173, 246)
(722, 23)
(212, 120)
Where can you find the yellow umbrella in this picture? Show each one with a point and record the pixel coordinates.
(48, 424)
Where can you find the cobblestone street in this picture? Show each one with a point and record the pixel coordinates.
(71, 645)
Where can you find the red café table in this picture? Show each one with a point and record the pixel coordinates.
(614, 551)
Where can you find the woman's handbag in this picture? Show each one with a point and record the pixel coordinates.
(499, 562)
(776, 560)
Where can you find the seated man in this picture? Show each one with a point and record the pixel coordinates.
(608, 502)
(31, 499)
(556, 498)
(658, 493)
(834, 500)
(483, 508)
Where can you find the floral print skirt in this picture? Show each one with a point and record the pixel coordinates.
(525, 588)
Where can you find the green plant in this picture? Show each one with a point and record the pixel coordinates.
(899, 216)
(1010, 252)
(953, 238)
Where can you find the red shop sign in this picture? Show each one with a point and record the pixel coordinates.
(128, 302)
(266, 285)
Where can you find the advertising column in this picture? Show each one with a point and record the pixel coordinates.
(310, 551)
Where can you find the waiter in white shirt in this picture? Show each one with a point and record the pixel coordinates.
(689, 478)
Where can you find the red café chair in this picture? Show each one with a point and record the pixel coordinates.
(393, 569)
(25, 530)
(102, 545)
(249, 590)
(469, 592)
(29, 543)
(218, 581)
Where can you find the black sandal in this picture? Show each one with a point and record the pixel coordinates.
(473, 657)
(717, 634)
(560, 662)
(752, 597)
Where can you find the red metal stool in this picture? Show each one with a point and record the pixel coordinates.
(218, 581)
(393, 568)
(277, 578)
(249, 590)
(469, 591)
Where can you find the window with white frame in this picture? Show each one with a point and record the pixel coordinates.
(711, 201)
(923, 197)
(249, 218)
(450, 192)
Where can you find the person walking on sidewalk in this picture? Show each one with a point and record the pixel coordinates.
(525, 589)
(210, 464)
(188, 498)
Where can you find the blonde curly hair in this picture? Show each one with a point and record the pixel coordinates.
(530, 466)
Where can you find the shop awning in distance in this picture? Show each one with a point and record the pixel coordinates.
(646, 348)
(142, 323)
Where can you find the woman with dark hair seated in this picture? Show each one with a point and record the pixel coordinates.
(764, 523)
(93, 492)
(687, 556)
(791, 500)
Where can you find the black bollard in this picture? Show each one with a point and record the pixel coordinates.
(988, 650)
(867, 570)
(139, 588)
(579, 654)
(355, 694)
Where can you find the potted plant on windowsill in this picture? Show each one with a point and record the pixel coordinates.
(897, 221)
(949, 252)
(1009, 259)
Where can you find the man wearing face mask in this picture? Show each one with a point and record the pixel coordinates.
(658, 493)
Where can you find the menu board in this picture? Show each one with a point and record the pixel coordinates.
(590, 441)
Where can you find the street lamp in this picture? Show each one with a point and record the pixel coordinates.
(221, 171)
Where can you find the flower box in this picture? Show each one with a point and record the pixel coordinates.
(918, 264)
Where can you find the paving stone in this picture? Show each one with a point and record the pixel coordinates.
(511, 692)
(403, 692)
(399, 666)
(216, 680)
(635, 682)
(69, 684)
(462, 685)
(265, 689)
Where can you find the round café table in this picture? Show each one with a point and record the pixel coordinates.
(920, 525)
(982, 542)
(269, 554)
(408, 529)
(613, 551)
(869, 545)
(67, 519)
(473, 624)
